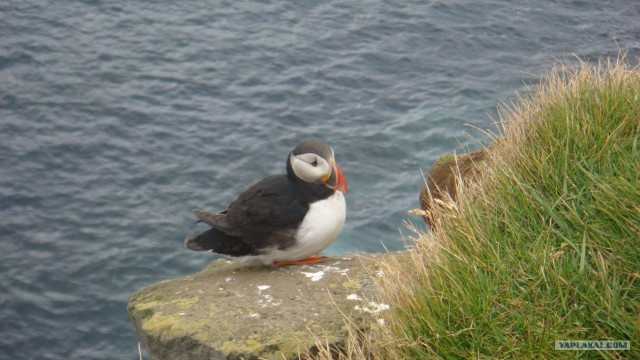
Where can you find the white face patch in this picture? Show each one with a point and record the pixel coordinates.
(310, 167)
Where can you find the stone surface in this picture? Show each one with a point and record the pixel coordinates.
(232, 310)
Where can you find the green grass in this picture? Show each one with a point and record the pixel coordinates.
(547, 246)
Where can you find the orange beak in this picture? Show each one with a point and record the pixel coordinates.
(337, 180)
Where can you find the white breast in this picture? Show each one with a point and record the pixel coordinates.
(319, 228)
(323, 223)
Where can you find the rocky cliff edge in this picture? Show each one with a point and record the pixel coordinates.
(233, 310)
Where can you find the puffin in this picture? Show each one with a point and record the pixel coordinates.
(284, 219)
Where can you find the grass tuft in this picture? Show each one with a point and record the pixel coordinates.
(546, 246)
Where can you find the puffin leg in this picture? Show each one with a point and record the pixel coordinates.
(313, 259)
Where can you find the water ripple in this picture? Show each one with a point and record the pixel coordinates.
(118, 118)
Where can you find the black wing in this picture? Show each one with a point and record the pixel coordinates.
(269, 211)
(219, 242)
(216, 220)
(264, 216)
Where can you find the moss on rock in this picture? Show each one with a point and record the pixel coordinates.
(238, 311)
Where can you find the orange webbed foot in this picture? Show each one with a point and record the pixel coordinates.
(313, 259)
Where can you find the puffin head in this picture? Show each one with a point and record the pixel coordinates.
(312, 161)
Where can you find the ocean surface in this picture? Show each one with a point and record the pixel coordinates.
(119, 117)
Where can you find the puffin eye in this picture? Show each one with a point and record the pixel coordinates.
(314, 163)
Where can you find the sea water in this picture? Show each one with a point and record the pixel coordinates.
(119, 117)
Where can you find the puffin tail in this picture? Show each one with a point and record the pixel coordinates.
(219, 242)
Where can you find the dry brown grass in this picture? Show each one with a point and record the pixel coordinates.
(543, 246)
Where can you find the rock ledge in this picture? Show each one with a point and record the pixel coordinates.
(238, 311)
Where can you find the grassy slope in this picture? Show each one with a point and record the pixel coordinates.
(547, 247)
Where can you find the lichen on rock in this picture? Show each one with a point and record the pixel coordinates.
(238, 311)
